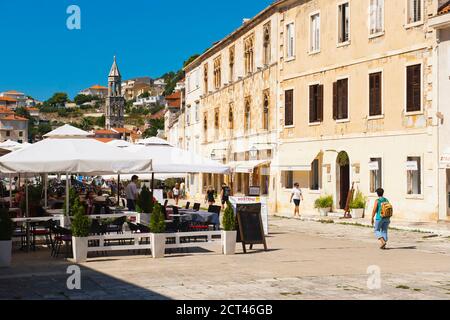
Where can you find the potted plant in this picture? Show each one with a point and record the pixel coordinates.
(80, 233)
(6, 232)
(157, 229)
(358, 205)
(144, 203)
(324, 204)
(229, 233)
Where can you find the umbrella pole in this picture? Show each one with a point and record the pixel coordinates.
(10, 191)
(118, 190)
(45, 190)
(27, 210)
(67, 195)
(153, 184)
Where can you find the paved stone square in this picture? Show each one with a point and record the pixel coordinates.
(306, 260)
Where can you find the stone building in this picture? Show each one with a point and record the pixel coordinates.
(115, 102)
(329, 94)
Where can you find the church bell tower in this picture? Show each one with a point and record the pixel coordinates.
(115, 102)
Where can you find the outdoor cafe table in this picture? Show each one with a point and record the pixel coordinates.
(28, 222)
(198, 216)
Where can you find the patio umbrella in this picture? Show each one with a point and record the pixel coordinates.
(85, 156)
(68, 132)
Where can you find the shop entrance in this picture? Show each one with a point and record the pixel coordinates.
(342, 179)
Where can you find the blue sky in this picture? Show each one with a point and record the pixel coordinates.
(40, 55)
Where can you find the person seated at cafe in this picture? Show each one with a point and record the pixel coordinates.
(19, 197)
(90, 203)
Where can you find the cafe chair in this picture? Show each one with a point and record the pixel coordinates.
(188, 204)
(196, 207)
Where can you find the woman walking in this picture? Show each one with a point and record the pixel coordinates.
(297, 197)
(210, 196)
(380, 224)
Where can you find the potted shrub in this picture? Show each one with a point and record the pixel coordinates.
(358, 205)
(144, 204)
(80, 233)
(157, 229)
(229, 233)
(324, 204)
(6, 232)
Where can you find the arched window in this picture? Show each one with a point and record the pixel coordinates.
(247, 114)
(267, 45)
(266, 105)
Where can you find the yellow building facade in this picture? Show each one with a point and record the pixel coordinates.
(343, 98)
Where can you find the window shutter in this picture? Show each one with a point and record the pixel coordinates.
(335, 101)
(312, 107)
(320, 103)
(413, 87)
(289, 112)
(416, 86)
(344, 104)
(378, 94)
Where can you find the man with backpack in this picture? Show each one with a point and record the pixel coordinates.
(381, 218)
(225, 195)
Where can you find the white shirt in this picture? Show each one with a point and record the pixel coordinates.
(297, 194)
(176, 192)
(131, 191)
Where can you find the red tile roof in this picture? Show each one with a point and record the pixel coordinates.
(98, 87)
(104, 140)
(104, 131)
(14, 117)
(32, 109)
(7, 99)
(174, 96)
(122, 130)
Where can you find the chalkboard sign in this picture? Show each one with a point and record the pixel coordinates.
(250, 226)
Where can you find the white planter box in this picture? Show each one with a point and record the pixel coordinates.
(5, 253)
(324, 212)
(357, 213)
(80, 249)
(229, 242)
(158, 242)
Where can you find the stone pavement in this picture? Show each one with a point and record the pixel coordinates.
(306, 260)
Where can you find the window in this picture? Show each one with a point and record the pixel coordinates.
(197, 117)
(375, 94)
(247, 115)
(217, 73)
(315, 175)
(315, 103)
(205, 78)
(216, 119)
(315, 33)
(376, 174)
(266, 103)
(205, 122)
(231, 117)
(8, 133)
(290, 41)
(414, 11)
(414, 176)
(340, 100)
(267, 44)
(344, 23)
(289, 179)
(188, 117)
(289, 108)
(376, 16)
(232, 57)
(249, 54)
(413, 88)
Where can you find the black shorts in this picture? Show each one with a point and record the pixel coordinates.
(297, 203)
(225, 200)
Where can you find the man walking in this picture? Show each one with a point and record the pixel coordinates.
(380, 223)
(132, 193)
(225, 195)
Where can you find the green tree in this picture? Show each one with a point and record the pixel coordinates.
(155, 125)
(145, 95)
(101, 121)
(81, 98)
(59, 99)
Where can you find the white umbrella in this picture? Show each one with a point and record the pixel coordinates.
(168, 159)
(87, 156)
(68, 132)
(120, 143)
(154, 141)
(9, 144)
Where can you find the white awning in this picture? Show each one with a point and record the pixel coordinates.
(247, 166)
(296, 160)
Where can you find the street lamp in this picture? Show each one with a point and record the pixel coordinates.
(254, 153)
